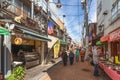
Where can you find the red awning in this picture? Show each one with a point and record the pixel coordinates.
(115, 36)
(105, 38)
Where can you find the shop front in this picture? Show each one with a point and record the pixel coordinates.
(115, 43)
(28, 47)
(111, 65)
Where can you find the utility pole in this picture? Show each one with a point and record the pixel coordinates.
(87, 28)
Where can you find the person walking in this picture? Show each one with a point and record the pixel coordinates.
(64, 57)
(77, 54)
(82, 54)
(91, 57)
(71, 57)
(95, 61)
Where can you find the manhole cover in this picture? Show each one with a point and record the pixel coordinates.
(86, 70)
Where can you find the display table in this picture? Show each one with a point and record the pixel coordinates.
(110, 72)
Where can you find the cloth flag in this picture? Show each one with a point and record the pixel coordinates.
(90, 37)
(50, 27)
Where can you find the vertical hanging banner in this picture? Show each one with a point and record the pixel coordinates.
(56, 49)
(50, 27)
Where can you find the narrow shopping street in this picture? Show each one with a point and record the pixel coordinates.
(77, 71)
(37, 35)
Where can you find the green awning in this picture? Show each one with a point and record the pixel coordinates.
(99, 43)
(63, 42)
(3, 31)
(35, 35)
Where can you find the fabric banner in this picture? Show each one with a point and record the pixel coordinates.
(54, 40)
(56, 50)
(90, 37)
(50, 27)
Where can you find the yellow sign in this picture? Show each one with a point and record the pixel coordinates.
(18, 41)
(56, 50)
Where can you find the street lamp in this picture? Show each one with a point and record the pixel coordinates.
(58, 5)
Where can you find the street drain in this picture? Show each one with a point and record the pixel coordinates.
(86, 70)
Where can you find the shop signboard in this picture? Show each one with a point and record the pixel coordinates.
(18, 41)
(114, 36)
(56, 50)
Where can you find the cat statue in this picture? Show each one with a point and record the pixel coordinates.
(18, 18)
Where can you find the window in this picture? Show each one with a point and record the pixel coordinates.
(115, 10)
(119, 7)
(99, 8)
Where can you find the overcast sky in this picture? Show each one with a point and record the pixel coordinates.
(75, 16)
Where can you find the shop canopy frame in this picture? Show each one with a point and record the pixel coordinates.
(99, 43)
(32, 34)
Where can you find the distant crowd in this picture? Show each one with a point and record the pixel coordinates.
(77, 55)
(72, 56)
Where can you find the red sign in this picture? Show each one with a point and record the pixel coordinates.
(104, 38)
(114, 36)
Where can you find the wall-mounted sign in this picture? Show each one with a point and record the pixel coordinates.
(18, 41)
(56, 50)
(114, 36)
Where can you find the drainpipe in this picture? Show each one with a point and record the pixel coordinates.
(32, 9)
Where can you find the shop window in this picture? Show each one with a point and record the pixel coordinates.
(99, 8)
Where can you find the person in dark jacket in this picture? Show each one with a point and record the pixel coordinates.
(71, 57)
(64, 57)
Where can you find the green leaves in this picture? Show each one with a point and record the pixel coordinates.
(17, 74)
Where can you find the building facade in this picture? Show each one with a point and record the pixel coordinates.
(108, 23)
(28, 40)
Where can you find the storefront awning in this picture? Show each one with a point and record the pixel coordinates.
(105, 38)
(3, 31)
(99, 43)
(33, 35)
(63, 42)
(115, 35)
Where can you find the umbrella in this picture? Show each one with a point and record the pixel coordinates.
(99, 43)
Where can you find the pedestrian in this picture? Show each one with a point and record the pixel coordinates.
(77, 54)
(82, 54)
(71, 57)
(64, 57)
(91, 57)
(95, 61)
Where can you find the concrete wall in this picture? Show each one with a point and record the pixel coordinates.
(106, 19)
